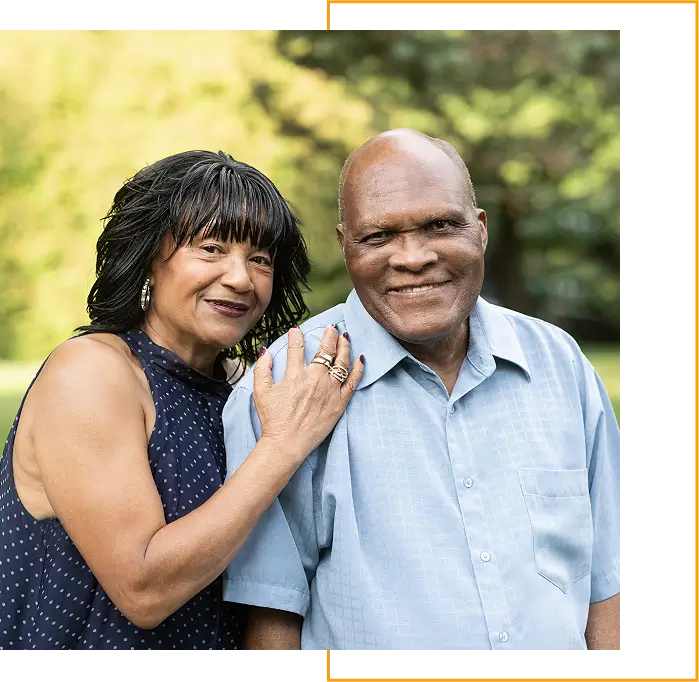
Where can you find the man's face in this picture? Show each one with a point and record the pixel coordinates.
(412, 242)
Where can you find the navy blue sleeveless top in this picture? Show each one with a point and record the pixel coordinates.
(49, 598)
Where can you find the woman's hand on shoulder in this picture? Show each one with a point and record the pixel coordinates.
(298, 412)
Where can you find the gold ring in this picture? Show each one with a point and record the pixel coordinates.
(321, 361)
(325, 356)
(339, 373)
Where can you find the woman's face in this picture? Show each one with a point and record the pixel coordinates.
(208, 295)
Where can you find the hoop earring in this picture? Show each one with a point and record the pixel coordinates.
(145, 295)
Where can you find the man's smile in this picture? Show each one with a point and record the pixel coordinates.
(417, 289)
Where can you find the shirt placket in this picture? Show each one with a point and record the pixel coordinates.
(472, 495)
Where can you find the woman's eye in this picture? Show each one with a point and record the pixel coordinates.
(262, 260)
(212, 248)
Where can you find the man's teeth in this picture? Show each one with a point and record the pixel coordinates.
(425, 287)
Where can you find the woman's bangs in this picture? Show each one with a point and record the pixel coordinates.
(245, 211)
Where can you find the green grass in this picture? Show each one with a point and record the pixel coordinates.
(605, 360)
(15, 377)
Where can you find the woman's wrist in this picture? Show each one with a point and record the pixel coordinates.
(283, 452)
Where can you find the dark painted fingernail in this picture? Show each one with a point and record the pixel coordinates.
(294, 326)
(334, 326)
(361, 359)
(346, 335)
(261, 352)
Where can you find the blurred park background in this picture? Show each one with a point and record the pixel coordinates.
(535, 115)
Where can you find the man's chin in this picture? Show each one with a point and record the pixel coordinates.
(423, 335)
(416, 327)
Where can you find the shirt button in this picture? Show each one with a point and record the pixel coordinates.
(451, 410)
(485, 556)
(468, 482)
(503, 636)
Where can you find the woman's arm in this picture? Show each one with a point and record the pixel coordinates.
(91, 448)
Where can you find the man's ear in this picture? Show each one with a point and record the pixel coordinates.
(483, 222)
(340, 236)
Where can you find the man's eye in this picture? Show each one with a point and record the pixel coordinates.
(377, 236)
(441, 225)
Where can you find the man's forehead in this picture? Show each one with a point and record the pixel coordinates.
(397, 179)
(396, 148)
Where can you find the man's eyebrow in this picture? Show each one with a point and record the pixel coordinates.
(390, 222)
(369, 225)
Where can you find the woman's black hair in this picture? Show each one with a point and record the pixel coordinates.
(179, 197)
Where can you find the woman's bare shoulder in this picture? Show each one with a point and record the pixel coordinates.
(90, 360)
(87, 387)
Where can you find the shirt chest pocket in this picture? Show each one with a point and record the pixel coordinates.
(558, 504)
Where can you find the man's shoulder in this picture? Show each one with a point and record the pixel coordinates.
(533, 333)
(312, 333)
(313, 327)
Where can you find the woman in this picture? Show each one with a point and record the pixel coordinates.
(115, 524)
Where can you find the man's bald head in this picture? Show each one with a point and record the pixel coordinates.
(384, 146)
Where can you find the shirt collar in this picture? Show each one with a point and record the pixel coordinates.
(499, 335)
(490, 332)
(381, 350)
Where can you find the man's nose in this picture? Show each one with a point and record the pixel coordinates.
(412, 253)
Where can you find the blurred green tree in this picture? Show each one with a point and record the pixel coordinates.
(18, 165)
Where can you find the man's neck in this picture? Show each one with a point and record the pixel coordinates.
(443, 356)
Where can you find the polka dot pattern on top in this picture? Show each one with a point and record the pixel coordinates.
(49, 598)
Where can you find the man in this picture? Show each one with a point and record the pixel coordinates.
(468, 498)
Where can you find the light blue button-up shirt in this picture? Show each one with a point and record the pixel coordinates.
(488, 518)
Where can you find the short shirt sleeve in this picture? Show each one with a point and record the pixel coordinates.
(274, 567)
(603, 454)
